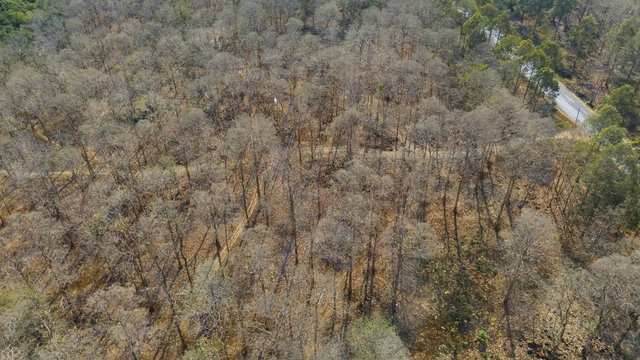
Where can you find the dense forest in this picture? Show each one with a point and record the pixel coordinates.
(318, 179)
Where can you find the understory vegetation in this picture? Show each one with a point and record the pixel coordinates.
(316, 179)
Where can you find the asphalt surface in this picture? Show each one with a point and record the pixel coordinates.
(571, 106)
(568, 103)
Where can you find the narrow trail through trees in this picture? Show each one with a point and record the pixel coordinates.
(223, 255)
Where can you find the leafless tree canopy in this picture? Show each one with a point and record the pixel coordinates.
(317, 179)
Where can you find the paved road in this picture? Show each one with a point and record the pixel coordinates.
(568, 103)
(571, 106)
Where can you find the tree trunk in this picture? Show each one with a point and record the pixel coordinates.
(633, 65)
(244, 192)
(292, 216)
(507, 316)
